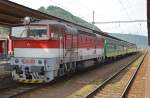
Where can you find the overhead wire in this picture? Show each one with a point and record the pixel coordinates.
(125, 10)
(127, 13)
(138, 23)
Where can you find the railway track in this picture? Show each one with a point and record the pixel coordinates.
(13, 92)
(116, 86)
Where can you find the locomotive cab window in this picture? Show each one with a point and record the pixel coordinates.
(37, 32)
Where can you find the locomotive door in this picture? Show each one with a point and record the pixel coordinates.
(70, 47)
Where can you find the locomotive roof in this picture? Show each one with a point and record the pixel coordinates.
(59, 24)
(67, 26)
(47, 22)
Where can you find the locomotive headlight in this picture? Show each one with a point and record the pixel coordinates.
(27, 20)
(16, 61)
(39, 61)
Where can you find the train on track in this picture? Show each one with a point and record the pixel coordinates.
(46, 49)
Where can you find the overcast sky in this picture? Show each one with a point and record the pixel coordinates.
(105, 10)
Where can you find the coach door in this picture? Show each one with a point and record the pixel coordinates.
(68, 46)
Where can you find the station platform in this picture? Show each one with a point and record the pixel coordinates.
(147, 75)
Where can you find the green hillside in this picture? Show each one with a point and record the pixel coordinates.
(140, 40)
(61, 13)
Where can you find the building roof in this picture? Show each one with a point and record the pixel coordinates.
(11, 13)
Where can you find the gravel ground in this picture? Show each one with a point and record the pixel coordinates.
(69, 87)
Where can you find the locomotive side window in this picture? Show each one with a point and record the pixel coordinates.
(55, 32)
(55, 35)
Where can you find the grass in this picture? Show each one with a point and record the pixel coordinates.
(86, 89)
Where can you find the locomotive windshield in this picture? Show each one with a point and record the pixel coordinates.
(38, 32)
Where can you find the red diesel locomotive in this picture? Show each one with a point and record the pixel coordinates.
(48, 49)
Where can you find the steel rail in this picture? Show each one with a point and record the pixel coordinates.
(99, 87)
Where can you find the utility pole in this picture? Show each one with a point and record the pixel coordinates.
(93, 18)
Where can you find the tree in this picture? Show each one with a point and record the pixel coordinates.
(42, 9)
